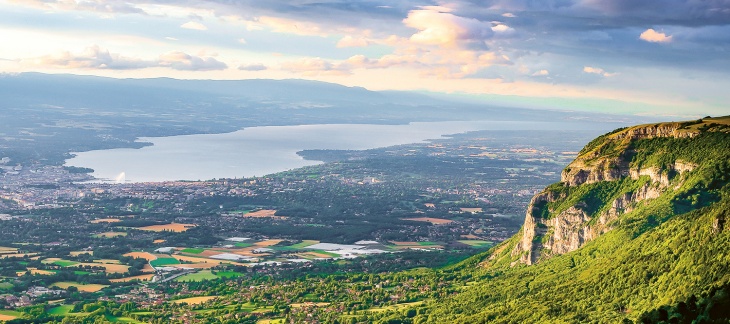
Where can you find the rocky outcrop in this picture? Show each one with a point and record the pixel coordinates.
(578, 173)
(675, 130)
(595, 166)
(571, 229)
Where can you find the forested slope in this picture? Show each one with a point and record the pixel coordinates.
(637, 226)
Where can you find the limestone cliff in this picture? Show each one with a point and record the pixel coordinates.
(551, 228)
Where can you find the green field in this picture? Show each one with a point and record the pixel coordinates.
(304, 244)
(5, 285)
(115, 319)
(228, 274)
(60, 310)
(78, 273)
(192, 251)
(10, 313)
(334, 255)
(476, 243)
(65, 263)
(243, 245)
(426, 243)
(143, 313)
(198, 276)
(159, 262)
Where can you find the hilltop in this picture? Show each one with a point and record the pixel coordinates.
(637, 226)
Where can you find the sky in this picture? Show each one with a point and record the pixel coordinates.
(644, 57)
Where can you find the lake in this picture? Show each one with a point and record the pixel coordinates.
(259, 151)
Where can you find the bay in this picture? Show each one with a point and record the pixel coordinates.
(259, 151)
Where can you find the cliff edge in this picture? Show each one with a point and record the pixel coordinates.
(612, 176)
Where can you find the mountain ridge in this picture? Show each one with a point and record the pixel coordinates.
(613, 248)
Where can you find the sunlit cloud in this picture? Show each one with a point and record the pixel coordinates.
(504, 44)
(599, 71)
(95, 57)
(92, 57)
(315, 66)
(100, 6)
(349, 41)
(193, 25)
(437, 26)
(287, 26)
(653, 36)
(186, 62)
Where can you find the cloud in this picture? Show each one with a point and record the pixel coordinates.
(92, 57)
(252, 67)
(436, 26)
(95, 57)
(503, 30)
(194, 25)
(288, 26)
(101, 6)
(349, 41)
(315, 66)
(541, 73)
(242, 41)
(186, 62)
(652, 36)
(599, 71)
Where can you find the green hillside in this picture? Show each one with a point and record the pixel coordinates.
(664, 250)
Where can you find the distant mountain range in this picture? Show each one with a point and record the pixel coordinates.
(43, 116)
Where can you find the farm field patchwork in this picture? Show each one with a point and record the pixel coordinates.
(79, 286)
(159, 262)
(144, 255)
(194, 300)
(434, 221)
(198, 276)
(8, 315)
(109, 234)
(476, 243)
(172, 227)
(105, 220)
(145, 277)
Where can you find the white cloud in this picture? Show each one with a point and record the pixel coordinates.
(97, 58)
(101, 6)
(242, 41)
(315, 66)
(194, 25)
(652, 36)
(185, 62)
(599, 71)
(349, 41)
(541, 73)
(439, 27)
(92, 57)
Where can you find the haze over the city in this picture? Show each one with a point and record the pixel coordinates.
(636, 57)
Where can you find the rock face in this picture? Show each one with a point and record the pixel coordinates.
(593, 167)
(573, 227)
(659, 130)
